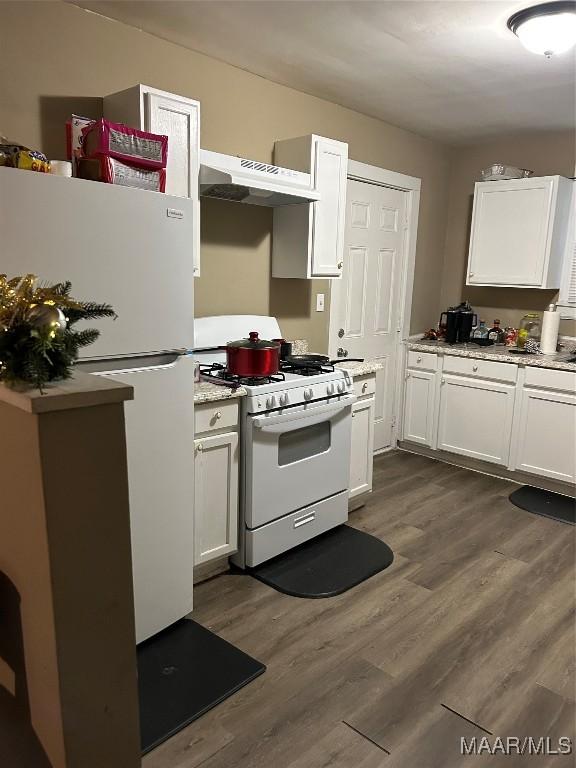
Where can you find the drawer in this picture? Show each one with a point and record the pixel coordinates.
(216, 415)
(365, 385)
(486, 369)
(289, 531)
(550, 379)
(426, 361)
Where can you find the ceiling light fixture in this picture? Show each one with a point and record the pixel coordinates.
(546, 29)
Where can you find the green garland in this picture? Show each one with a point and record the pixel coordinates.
(38, 342)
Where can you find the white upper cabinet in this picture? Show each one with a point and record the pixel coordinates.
(308, 240)
(176, 117)
(519, 231)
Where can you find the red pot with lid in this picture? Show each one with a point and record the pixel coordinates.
(253, 357)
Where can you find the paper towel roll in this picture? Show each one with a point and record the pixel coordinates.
(550, 325)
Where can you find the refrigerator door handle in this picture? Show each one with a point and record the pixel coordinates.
(123, 365)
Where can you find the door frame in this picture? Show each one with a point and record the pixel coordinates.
(372, 174)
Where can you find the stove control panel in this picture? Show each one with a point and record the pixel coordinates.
(289, 393)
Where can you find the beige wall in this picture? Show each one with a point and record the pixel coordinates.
(57, 58)
(545, 154)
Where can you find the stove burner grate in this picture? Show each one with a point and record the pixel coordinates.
(218, 373)
(309, 369)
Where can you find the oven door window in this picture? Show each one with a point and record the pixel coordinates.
(304, 443)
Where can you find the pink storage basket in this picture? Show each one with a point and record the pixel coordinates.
(130, 145)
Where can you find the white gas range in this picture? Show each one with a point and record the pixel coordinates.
(295, 445)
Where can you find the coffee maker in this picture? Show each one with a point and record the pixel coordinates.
(459, 323)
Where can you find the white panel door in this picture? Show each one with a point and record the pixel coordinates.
(127, 247)
(547, 434)
(362, 459)
(160, 449)
(366, 302)
(509, 240)
(180, 121)
(216, 496)
(476, 418)
(419, 407)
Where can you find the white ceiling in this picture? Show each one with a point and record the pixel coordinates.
(447, 70)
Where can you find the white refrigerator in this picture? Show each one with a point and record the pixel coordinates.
(134, 250)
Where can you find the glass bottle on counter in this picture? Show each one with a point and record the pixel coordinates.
(530, 328)
(497, 334)
(480, 332)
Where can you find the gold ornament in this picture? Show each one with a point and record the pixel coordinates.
(20, 295)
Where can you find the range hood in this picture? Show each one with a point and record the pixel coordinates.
(249, 181)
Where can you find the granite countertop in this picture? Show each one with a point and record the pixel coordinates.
(357, 370)
(500, 354)
(206, 392)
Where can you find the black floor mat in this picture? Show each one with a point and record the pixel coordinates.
(182, 673)
(546, 503)
(327, 565)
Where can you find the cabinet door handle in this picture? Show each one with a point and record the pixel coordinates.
(418, 359)
(199, 447)
(474, 367)
(443, 381)
(364, 386)
(340, 264)
(471, 274)
(218, 415)
(407, 375)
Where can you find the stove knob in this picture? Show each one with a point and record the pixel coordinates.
(284, 398)
(271, 402)
(341, 387)
(308, 394)
(330, 388)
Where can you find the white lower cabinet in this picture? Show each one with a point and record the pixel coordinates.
(522, 418)
(475, 418)
(362, 438)
(216, 468)
(362, 454)
(419, 407)
(547, 434)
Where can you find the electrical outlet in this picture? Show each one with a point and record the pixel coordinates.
(319, 302)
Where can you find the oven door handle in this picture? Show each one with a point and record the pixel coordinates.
(279, 424)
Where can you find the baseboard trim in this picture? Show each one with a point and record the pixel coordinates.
(485, 468)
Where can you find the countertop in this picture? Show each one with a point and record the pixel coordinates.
(357, 370)
(500, 354)
(206, 392)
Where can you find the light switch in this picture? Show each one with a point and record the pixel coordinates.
(319, 302)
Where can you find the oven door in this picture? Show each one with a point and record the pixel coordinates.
(295, 457)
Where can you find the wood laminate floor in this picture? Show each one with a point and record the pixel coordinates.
(471, 632)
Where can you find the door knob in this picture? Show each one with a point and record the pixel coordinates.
(341, 333)
(340, 264)
(342, 352)
(200, 447)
